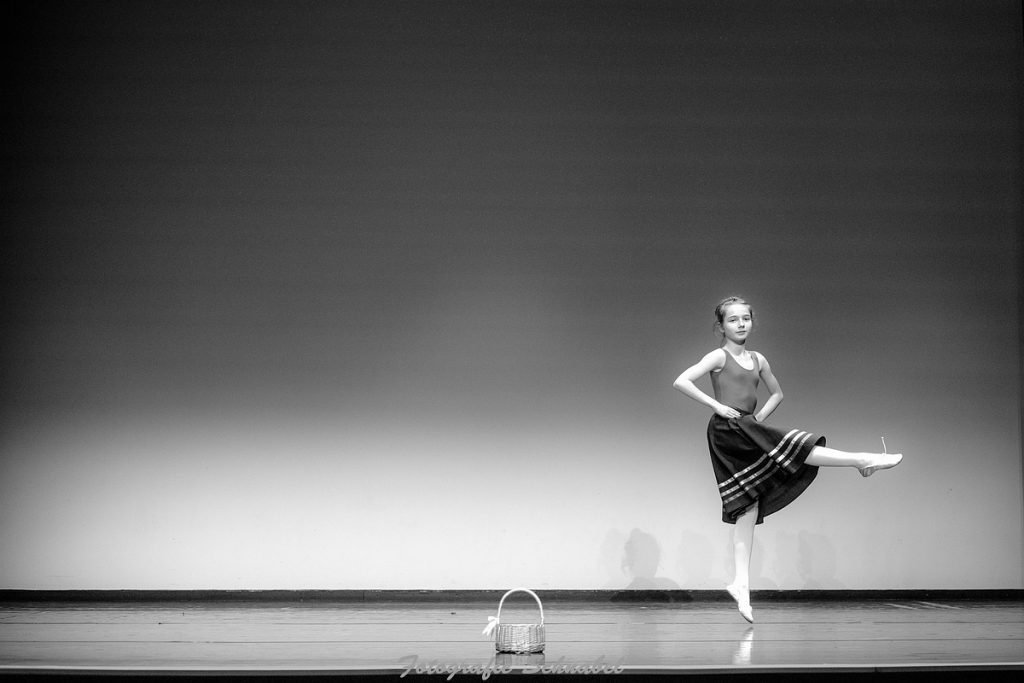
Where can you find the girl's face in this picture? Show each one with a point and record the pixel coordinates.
(737, 322)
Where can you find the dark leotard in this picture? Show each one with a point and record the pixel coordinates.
(754, 463)
(736, 386)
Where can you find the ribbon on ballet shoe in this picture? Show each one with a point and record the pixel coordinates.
(884, 465)
(492, 623)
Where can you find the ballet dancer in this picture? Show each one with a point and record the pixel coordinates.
(760, 468)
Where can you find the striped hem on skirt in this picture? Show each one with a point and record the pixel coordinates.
(759, 463)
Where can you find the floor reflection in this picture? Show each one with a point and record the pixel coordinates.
(744, 647)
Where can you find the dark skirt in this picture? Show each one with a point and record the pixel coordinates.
(759, 463)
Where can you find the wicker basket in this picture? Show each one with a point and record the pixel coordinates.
(517, 638)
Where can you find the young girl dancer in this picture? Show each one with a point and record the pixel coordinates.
(760, 469)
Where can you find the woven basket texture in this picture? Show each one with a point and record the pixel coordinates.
(519, 638)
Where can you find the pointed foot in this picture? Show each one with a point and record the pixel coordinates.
(883, 461)
(741, 595)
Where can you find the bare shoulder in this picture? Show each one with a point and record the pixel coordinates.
(761, 360)
(714, 360)
(711, 362)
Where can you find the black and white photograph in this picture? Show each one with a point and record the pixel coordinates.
(588, 340)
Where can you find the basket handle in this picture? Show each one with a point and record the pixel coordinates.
(522, 590)
(492, 622)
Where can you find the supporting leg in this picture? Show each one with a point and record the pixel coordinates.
(743, 544)
(867, 463)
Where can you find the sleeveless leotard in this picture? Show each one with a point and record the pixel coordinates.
(755, 462)
(736, 386)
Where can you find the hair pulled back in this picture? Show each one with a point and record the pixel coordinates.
(720, 311)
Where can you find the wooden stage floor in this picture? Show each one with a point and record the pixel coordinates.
(858, 638)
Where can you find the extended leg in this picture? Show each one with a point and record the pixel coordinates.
(867, 463)
(743, 544)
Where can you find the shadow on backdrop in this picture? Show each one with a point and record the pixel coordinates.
(641, 559)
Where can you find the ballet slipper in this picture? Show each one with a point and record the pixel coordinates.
(742, 598)
(883, 462)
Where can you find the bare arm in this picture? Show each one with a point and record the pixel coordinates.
(684, 383)
(773, 386)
